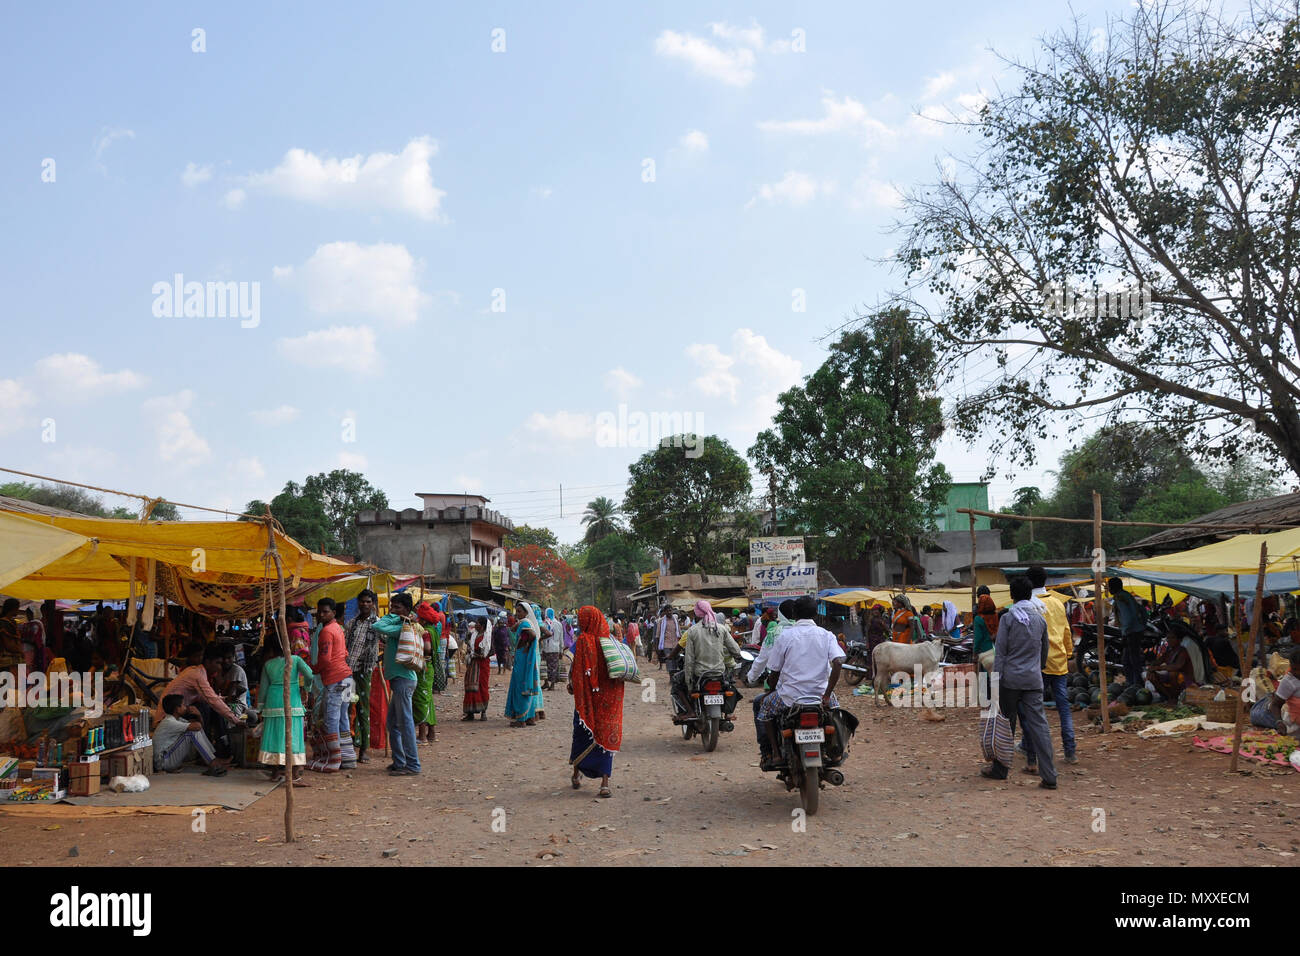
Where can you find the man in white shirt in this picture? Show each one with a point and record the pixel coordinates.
(806, 664)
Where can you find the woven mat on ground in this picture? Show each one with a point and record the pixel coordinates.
(167, 793)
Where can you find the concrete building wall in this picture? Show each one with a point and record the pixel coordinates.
(399, 549)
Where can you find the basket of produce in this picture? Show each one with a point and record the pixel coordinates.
(1222, 711)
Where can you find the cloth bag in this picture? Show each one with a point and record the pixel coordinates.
(410, 647)
(996, 740)
(620, 660)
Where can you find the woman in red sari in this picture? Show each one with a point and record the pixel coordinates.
(597, 704)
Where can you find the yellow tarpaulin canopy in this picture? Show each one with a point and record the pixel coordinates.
(213, 554)
(26, 546)
(1239, 555)
(345, 589)
(1141, 589)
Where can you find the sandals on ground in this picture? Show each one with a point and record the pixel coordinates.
(605, 792)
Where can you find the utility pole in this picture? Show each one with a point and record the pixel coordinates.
(771, 491)
(561, 501)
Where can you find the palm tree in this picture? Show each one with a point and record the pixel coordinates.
(601, 519)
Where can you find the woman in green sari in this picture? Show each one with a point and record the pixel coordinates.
(423, 701)
(270, 695)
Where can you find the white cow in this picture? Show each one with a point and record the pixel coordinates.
(891, 657)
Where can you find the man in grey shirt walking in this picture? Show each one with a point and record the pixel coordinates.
(1018, 662)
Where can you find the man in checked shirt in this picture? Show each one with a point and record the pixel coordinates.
(363, 655)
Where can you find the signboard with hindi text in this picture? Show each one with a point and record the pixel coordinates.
(788, 550)
(783, 580)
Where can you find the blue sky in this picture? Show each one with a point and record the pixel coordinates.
(385, 178)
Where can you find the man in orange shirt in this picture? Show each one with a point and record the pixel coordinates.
(331, 665)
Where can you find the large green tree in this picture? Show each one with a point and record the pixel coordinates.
(680, 494)
(302, 516)
(524, 535)
(1161, 153)
(1142, 473)
(601, 519)
(342, 494)
(616, 557)
(851, 451)
(81, 501)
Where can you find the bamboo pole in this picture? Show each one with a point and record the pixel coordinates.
(974, 583)
(289, 670)
(1097, 574)
(1256, 621)
(1234, 620)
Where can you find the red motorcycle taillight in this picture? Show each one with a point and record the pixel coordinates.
(810, 719)
(713, 687)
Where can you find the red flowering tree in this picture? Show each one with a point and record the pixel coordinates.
(543, 572)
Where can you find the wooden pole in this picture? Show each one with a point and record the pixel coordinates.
(1234, 621)
(1097, 576)
(974, 584)
(281, 628)
(1256, 620)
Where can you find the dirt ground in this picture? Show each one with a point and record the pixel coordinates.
(913, 796)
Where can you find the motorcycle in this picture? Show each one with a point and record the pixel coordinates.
(814, 743)
(713, 699)
(958, 649)
(857, 663)
(748, 654)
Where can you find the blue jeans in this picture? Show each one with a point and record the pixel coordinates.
(401, 725)
(1057, 682)
(336, 700)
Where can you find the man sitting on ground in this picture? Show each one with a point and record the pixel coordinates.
(177, 740)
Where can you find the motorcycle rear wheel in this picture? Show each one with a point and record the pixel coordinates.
(710, 736)
(854, 678)
(810, 790)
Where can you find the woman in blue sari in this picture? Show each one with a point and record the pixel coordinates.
(524, 700)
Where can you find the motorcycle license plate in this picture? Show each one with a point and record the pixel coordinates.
(814, 736)
(713, 699)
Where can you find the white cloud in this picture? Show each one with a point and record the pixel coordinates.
(234, 198)
(751, 36)
(562, 426)
(352, 461)
(79, 376)
(734, 67)
(869, 192)
(752, 353)
(468, 483)
(351, 279)
(250, 469)
(845, 115)
(281, 272)
(936, 86)
(195, 174)
(718, 380)
(338, 346)
(621, 382)
(13, 398)
(178, 442)
(106, 139)
(282, 415)
(694, 141)
(543, 192)
(402, 182)
(793, 189)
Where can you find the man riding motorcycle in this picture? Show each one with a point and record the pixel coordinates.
(805, 662)
(706, 646)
